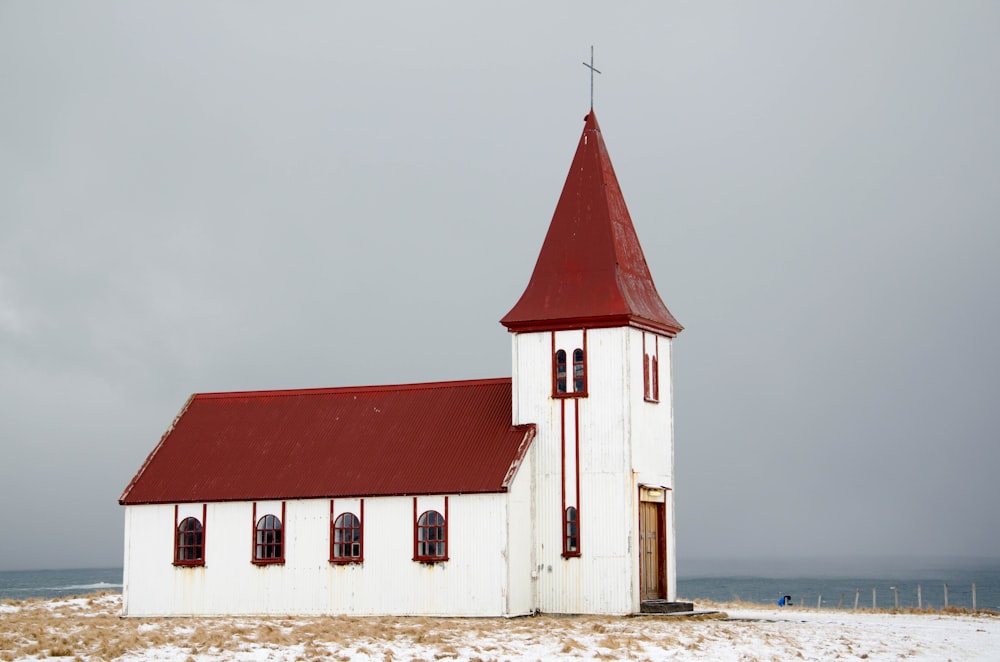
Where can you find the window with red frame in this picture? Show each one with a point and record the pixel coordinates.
(346, 541)
(190, 547)
(579, 372)
(268, 546)
(559, 375)
(655, 379)
(651, 378)
(571, 532)
(432, 537)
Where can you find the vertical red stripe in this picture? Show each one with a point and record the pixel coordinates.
(446, 522)
(253, 533)
(579, 519)
(204, 531)
(175, 532)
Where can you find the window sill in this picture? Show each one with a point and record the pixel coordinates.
(653, 401)
(352, 561)
(189, 564)
(431, 560)
(268, 561)
(574, 394)
(571, 555)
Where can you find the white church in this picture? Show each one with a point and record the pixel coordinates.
(550, 491)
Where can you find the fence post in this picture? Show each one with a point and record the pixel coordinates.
(973, 596)
(819, 601)
(873, 598)
(946, 595)
(857, 596)
(895, 593)
(920, 599)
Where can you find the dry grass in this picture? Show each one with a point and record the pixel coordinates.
(90, 628)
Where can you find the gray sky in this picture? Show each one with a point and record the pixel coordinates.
(231, 196)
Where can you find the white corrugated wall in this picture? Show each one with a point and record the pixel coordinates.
(471, 583)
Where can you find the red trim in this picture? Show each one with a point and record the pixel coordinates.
(562, 468)
(204, 532)
(424, 386)
(576, 465)
(414, 528)
(592, 323)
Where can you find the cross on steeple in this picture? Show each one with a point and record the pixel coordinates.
(592, 72)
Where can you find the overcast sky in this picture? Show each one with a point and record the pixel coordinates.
(232, 196)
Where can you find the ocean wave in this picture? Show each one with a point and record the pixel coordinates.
(70, 587)
(89, 587)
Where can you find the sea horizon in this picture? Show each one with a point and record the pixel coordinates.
(829, 582)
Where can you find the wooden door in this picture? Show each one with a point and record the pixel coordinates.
(650, 556)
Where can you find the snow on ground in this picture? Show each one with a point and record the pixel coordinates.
(90, 629)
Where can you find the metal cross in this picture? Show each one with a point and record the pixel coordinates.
(592, 72)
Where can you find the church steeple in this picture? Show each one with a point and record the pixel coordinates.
(591, 271)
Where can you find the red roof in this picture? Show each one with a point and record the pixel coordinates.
(591, 271)
(439, 438)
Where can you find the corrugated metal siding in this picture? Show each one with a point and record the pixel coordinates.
(445, 438)
(601, 579)
(470, 583)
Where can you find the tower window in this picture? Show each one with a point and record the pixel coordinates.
(651, 378)
(579, 372)
(571, 532)
(560, 371)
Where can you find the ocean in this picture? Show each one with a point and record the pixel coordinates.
(834, 582)
(21, 584)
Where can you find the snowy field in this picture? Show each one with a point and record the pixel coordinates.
(88, 628)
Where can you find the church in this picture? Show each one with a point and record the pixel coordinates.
(549, 491)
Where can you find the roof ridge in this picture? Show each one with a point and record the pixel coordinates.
(330, 390)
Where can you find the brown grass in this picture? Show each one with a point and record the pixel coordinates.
(91, 629)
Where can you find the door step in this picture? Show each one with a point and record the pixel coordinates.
(664, 607)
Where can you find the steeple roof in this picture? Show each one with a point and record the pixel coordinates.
(591, 271)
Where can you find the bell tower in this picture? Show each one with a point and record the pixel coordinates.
(592, 343)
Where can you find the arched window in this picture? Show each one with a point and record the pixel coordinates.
(268, 547)
(560, 371)
(579, 372)
(432, 537)
(571, 532)
(190, 548)
(345, 537)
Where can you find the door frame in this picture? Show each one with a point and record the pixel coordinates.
(656, 497)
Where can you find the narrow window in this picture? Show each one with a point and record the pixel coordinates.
(432, 541)
(560, 371)
(268, 547)
(655, 379)
(579, 372)
(346, 539)
(571, 532)
(646, 391)
(190, 549)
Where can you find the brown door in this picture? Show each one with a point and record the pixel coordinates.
(650, 556)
